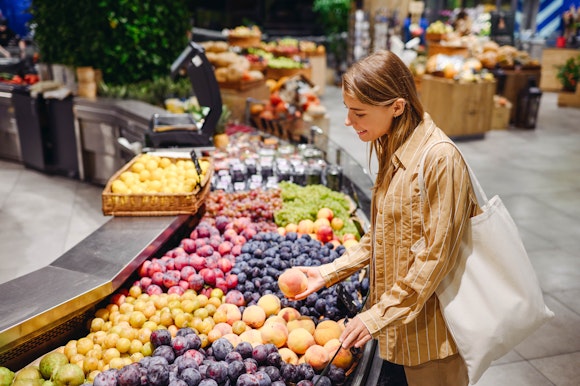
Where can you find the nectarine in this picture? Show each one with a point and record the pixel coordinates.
(292, 282)
(317, 357)
(326, 330)
(299, 340)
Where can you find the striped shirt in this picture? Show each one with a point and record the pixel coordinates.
(407, 261)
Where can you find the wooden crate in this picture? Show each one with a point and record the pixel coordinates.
(551, 59)
(236, 99)
(569, 99)
(460, 109)
(436, 48)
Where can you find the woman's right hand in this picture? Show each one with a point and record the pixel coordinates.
(315, 282)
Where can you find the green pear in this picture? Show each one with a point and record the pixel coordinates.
(69, 374)
(6, 376)
(29, 372)
(51, 362)
(27, 382)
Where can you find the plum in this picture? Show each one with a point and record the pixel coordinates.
(289, 372)
(160, 337)
(263, 378)
(191, 376)
(251, 365)
(233, 356)
(221, 348)
(185, 362)
(274, 359)
(248, 380)
(321, 380)
(305, 371)
(245, 349)
(278, 383)
(208, 382)
(184, 331)
(129, 375)
(336, 375)
(217, 371)
(196, 355)
(235, 369)
(273, 372)
(165, 352)
(180, 345)
(260, 353)
(194, 341)
(158, 375)
(305, 382)
(106, 378)
(177, 382)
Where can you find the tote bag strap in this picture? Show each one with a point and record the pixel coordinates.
(481, 196)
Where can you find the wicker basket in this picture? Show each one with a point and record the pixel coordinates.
(154, 204)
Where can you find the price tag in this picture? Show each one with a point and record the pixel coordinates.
(196, 162)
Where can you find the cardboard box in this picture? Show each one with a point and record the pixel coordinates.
(460, 109)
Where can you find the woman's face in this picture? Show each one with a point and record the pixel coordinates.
(370, 122)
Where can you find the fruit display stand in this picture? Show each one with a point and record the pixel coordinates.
(92, 273)
(461, 109)
(515, 81)
(235, 98)
(569, 99)
(551, 59)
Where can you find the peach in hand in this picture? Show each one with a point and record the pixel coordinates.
(292, 282)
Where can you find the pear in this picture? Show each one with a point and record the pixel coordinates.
(6, 376)
(51, 362)
(69, 374)
(29, 372)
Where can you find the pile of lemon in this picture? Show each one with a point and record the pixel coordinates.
(150, 173)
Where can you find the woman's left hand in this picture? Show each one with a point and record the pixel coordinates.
(355, 334)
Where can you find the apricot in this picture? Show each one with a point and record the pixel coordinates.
(232, 312)
(291, 227)
(275, 333)
(251, 336)
(319, 222)
(302, 322)
(275, 319)
(317, 357)
(343, 359)
(288, 355)
(292, 282)
(289, 313)
(270, 303)
(325, 213)
(299, 340)
(223, 328)
(233, 339)
(254, 316)
(327, 330)
(305, 226)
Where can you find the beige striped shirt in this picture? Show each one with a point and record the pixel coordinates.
(407, 264)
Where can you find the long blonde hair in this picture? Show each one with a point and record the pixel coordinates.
(379, 79)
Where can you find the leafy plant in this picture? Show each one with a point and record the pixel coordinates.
(128, 40)
(154, 91)
(569, 73)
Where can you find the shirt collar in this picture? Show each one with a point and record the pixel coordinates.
(405, 153)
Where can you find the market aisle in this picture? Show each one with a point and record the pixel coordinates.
(536, 172)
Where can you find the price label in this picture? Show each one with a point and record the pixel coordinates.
(196, 162)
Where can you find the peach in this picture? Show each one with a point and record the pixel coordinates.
(223, 327)
(252, 336)
(327, 330)
(289, 313)
(305, 226)
(275, 319)
(319, 222)
(349, 243)
(254, 316)
(291, 227)
(233, 338)
(317, 357)
(270, 303)
(337, 223)
(282, 231)
(299, 340)
(348, 236)
(326, 213)
(288, 355)
(232, 312)
(343, 359)
(302, 322)
(275, 333)
(292, 282)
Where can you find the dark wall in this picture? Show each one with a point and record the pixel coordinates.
(274, 17)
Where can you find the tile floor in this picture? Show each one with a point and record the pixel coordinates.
(536, 172)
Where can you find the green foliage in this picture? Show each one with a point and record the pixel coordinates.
(332, 14)
(129, 40)
(569, 73)
(153, 91)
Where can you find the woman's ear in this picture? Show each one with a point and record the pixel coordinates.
(399, 107)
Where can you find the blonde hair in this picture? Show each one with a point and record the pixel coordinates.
(379, 80)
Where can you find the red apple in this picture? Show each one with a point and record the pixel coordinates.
(208, 276)
(144, 268)
(145, 282)
(229, 234)
(157, 278)
(236, 250)
(221, 284)
(154, 289)
(171, 278)
(197, 262)
(186, 272)
(196, 282)
(188, 245)
(326, 213)
(183, 284)
(225, 247)
(181, 261)
(176, 290)
(232, 280)
(205, 251)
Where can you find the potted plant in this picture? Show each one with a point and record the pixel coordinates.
(569, 74)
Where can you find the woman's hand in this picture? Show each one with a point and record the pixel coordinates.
(315, 282)
(355, 334)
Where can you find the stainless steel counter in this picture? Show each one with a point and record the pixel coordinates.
(41, 310)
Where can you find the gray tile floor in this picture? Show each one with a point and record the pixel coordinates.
(536, 172)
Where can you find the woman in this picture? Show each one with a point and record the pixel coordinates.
(410, 246)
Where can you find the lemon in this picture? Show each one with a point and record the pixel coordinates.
(137, 167)
(151, 164)
(165, 162)
(144, 175)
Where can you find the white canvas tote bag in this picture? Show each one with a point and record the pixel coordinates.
(491, 300)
